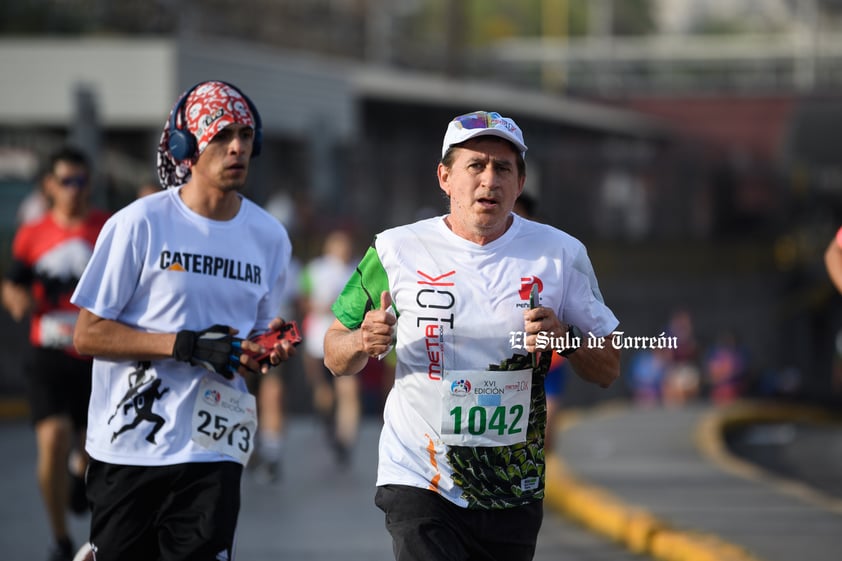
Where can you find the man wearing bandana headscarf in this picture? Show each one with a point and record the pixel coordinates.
(176, 278)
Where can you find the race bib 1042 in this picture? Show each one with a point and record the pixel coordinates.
(485, 408)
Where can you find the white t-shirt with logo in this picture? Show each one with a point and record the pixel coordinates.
(467, 413)
(160, 267)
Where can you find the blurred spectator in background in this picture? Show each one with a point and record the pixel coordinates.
(266, 463)
(726, 369)
(270, 396)
(833, 263)
(646, 375)
(49, 255)
(833, 260)
(682, 380)
(35, 204)
(336, 398)
(282, 206)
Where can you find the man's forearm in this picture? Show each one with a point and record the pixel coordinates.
(95, 336)
(344, 353)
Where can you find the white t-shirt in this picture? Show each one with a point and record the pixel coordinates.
(452, 426)
(160, 267)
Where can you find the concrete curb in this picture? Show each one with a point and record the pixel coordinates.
(645, 534)
(640, 531)
(709, 440)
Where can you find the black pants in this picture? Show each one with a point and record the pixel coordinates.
(427, 527)
(58, 384)
(183, 512)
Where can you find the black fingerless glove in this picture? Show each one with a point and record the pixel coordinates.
(213, 348)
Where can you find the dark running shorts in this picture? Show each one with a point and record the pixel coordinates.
(183, 512)
(58, 384)
(427, 527)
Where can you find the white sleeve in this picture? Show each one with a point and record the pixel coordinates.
(583, 305)
(112, 274)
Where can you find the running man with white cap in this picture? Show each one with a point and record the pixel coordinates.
(174, 278)
(461, 460)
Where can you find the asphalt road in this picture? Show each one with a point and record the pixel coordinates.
(810, 453)
(317, 512)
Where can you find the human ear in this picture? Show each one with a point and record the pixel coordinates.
(443, 174)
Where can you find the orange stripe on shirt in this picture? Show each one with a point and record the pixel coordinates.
(431, 448)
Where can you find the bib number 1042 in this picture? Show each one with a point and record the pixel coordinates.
(477, 421)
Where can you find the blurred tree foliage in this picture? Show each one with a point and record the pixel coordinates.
(493, 20)
(489, 20)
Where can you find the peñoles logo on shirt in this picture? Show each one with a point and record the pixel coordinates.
(526, 286)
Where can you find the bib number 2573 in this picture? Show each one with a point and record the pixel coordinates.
(225, 420)
(218, 428)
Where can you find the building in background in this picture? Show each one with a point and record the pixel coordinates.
(689, 141)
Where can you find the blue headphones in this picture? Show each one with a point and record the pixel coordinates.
(182, 144)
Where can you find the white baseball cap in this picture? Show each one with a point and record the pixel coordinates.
(480, 123)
